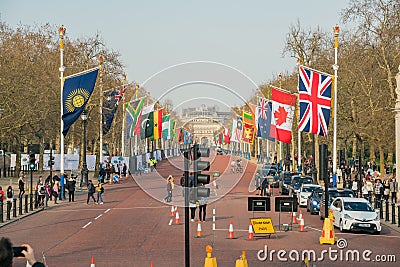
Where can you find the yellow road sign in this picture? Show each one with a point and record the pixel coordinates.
(262, 226)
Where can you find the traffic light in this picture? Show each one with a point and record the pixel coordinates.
(51, 161)
(32, 161)
(198, 166)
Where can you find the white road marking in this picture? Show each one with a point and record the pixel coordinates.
(86, 225)
(98, 216)
(107, 210)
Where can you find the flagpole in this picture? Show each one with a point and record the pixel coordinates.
(298, 131)
(123, 117)
(335, 68)
(135, 135)
(280, 143)
(101, 111)
(61, 31)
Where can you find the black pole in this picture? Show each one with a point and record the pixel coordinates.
(393, 213)
(187, 238)
(14, 207)
(31, 193)
(20, 206)
(387, 211)
(4, 163)
(84, 163)
(313, 168)
(51, 166)
(1, 212)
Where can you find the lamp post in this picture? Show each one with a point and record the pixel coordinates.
(84, 117)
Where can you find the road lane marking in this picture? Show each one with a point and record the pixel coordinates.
(107, 210)
(86, 225)
(98, 216)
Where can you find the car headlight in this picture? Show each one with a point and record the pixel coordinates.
(315, 203)
(347, 216)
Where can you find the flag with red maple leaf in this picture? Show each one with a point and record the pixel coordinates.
(282, 115)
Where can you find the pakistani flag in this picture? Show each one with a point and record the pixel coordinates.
(166, 129)
(146, 122)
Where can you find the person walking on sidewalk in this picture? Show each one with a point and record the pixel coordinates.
(393, 187)
(21, 185)
(203, 207)
(40, 191)
(71, 188)
(1, 194)
(55, 191)
(170, 187)
(47, 189)
(100, 191)
(91, 190)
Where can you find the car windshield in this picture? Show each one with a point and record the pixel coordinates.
(318, 194)
(358, 206)
(307, 180)
(308, 189)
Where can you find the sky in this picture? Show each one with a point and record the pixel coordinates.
(184, 50)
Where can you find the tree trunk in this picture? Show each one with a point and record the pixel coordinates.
(381, 161)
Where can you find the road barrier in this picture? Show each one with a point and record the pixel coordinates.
(388, 213)
(9, 208)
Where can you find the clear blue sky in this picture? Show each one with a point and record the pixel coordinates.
(153, 35)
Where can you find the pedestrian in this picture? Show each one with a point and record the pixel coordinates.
(386, 190)
(47, 188)
(393, 186)
(10, 193)
(170, 187)
(370, 189)
(40, 191)
(365, 192)
(257, 182)
(71, 188)
(1, 195)
(354, 187)
(7, 254)
(91, 190)
(100, 191)
(203, 208)
(264, 185)
(378, 193)
(182, 183)
(192, 205)
(141, 168)
(21, 184)
(102, 173)
(56, 189)
(124, 170)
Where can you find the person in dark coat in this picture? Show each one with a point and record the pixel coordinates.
(71, 188)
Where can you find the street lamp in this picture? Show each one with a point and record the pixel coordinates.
(84, 117)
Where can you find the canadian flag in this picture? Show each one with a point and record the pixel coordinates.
(282, 115)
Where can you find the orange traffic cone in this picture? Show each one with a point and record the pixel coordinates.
(92, 262)
(302, 225)
(250, 235)
(199, 232)
(231, 234)
(300, 217)
(177, 220)
(294, 218)
(172, 213)
(151, 264)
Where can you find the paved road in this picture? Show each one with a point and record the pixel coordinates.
(132, 227)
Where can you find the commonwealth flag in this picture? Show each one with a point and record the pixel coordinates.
(77, 90)
(146, 122)
(133, 108)
(157, 124)
(110, 106)
(166, 129)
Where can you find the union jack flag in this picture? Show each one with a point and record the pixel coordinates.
(120, 94)
(314, 101)
(262, 108)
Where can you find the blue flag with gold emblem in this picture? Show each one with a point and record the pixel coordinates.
(77, 90)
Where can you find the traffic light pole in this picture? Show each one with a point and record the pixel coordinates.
(186, 163)
(31, 193)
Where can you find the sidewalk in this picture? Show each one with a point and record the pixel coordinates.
(13, 181)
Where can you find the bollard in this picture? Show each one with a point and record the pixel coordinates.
(14, 208)
(393, 213)
(387, 211)
(398, 216)
(8, 210)
(381, 211)
(26, 203)
(1, 212)
(20, 206)
(31, 202)
(36, 200)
